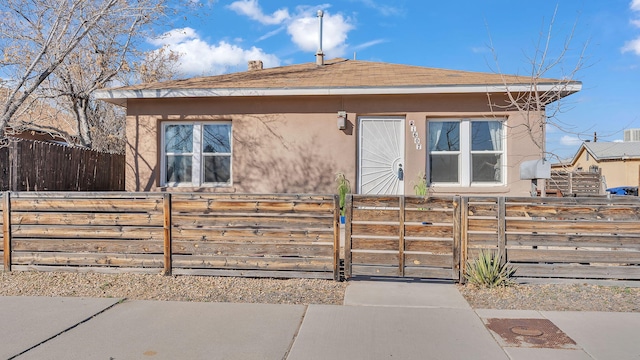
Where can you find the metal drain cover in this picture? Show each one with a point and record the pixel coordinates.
(529, 333)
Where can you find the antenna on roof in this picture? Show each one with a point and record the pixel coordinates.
(320, 54)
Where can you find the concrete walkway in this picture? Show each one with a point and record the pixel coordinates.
(380, 320)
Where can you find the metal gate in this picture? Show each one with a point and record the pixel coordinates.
(398, 236)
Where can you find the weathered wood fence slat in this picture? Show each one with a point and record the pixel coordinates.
(402, 236)
(581, 238)
(299, 235)
(294, 235)
(576, 183)
(256, 235)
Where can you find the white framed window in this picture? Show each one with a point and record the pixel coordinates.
(466, 152)
(196, 153)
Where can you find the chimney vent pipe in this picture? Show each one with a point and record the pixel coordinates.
(320, 54)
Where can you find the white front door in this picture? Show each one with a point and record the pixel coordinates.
(381, 155)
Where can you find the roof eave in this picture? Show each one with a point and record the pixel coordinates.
(621, 157)
(119, 97)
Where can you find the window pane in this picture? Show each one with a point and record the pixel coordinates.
(444, 136)
(216, 138)
(444, 168)
(178, 138)
(217, 169)
(486, 135)
(179, 168)
(486, 167)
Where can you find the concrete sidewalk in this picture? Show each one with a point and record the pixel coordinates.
(380, 320)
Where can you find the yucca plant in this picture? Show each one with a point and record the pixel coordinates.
(487, 271)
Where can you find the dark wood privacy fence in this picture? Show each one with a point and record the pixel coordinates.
(246, 235)
(402, 236)
(28, 165)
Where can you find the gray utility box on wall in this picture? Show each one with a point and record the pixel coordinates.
(535, 169)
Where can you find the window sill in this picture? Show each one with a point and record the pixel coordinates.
(475, 189)
(204, 189)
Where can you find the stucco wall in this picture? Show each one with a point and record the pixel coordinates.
(293, 145)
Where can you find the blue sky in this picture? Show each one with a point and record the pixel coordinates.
(444, 34)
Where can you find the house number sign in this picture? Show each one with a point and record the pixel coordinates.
(416, 136)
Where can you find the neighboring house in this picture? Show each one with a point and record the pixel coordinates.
(290, 129)
(619, 162)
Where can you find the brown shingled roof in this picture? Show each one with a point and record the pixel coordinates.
(338, 73)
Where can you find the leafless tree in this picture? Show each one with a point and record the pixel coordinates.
(540, 106)
(157, 65)
(59, 53)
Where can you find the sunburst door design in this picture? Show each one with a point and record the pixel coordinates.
(381, 155)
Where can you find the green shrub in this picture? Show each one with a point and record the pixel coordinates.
(421, 188)
(487, 271)
(344, 187)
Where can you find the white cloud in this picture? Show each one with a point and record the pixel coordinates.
(633, 46)
(302, 26)
(368, 44)
(570, 140)
(304, 33)
(252, 9)
(385, 10)
(174, 36)
(199, 57)
(480, 49)
(271, 33)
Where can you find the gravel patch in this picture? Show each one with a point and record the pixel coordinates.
(549, 297)
(173, 288)
(554, 297)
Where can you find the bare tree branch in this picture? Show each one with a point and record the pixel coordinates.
(61, 52)
(540, 105)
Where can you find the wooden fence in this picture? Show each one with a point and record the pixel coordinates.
(27, 165)
(590, 238)
(298, 235)
(255, 235)
(576, 183)
(579, 238)
(248, 235)
(402, 236)
(82, 231)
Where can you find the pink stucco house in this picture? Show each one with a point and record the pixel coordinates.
(290, 129)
